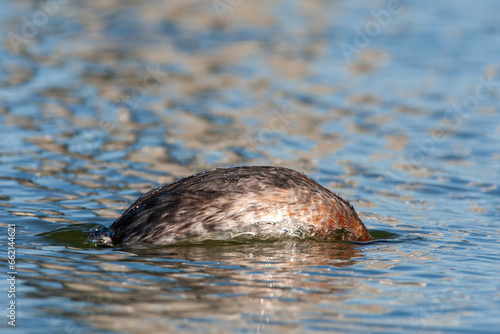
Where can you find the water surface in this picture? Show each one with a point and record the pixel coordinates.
(396, 109)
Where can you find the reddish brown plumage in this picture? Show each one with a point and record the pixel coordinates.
(221, 204)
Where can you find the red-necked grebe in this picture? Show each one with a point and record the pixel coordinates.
(230, 202)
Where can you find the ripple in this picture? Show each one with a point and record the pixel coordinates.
(102, 101)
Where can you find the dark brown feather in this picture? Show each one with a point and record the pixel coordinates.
(231, 201)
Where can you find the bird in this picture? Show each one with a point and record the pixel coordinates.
(260, 202)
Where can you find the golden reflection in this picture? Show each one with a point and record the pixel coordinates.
(241, 285)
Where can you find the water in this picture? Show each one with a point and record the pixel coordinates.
(395, 108)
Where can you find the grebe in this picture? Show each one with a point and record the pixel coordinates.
(228, 202)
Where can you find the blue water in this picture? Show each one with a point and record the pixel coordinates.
(394, 107)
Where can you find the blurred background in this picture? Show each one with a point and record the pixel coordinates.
(393, 104)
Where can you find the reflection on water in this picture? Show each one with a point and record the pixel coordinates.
(245, 287)
(394, 108)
